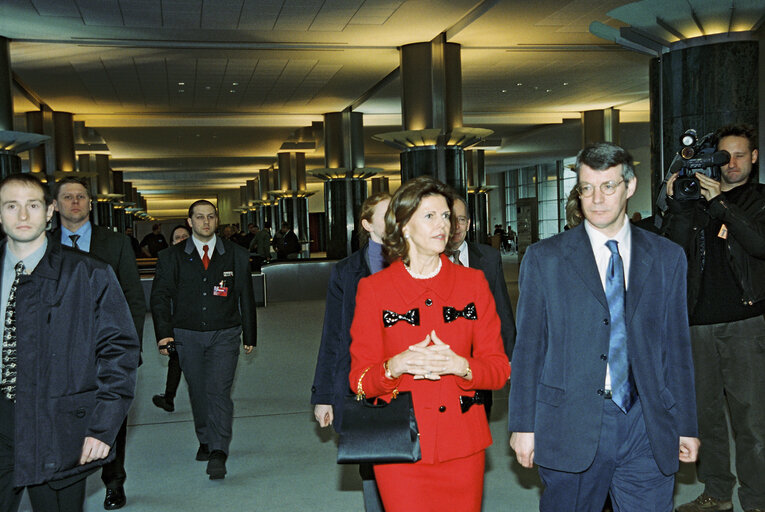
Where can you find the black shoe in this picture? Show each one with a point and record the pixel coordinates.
(216, 466)
(115, 498)
(163, 403)
(203, 453)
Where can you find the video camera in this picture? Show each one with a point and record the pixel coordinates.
(696, 156)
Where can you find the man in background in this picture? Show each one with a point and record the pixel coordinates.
(489, 261)
(153, 242)
(73, 204)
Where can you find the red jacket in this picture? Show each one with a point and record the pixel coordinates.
(445, 432)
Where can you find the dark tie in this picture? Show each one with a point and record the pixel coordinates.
(618, 363)
(74, 239)
(205, 258)
(457, 258)
(8, 384)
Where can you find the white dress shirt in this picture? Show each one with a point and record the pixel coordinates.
(463, 249)
(603, 255)
(200, 244)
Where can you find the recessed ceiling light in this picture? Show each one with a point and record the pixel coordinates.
(519, 84)
(565, 83)
(181, 83)
(207, 87)
(504, 90)
(235, 84)
(181, 90)
(548, 90)
(232, 90)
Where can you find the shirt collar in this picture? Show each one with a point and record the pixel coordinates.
(85, 232)
(598, 240)
(30, 262)
(463, 249)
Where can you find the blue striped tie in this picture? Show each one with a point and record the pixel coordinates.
(618, 363)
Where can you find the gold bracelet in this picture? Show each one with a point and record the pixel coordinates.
(386, 366)
(468, 375)
(359, 388)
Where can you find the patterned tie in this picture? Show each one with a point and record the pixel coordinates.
(457, 258)
(74, 239)
(618, 363)
(8, 384)
(205, 258)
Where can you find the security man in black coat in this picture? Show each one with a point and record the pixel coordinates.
(202, 304)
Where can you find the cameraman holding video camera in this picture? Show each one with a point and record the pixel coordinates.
(723, 234)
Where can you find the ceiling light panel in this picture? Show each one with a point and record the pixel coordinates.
(141, 13)
(181, 13)
(297, 15)
(259, 14)
(335, 15)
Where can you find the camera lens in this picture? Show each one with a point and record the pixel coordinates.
(687, 152)
(689, 187)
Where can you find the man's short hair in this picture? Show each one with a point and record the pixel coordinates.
(604, 155)
(201, 202)
(70, 179)
(29, 180)
(739, 130)
(461, 199)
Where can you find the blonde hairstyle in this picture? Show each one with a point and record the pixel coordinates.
(366, 213)
(574, 215)
(404, 203)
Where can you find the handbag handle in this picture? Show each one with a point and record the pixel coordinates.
(360, 395)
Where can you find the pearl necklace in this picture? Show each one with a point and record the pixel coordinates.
(424, 276)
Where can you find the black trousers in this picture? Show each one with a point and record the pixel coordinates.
(173, 376)
(113, 474)
(43, 497)
(729, 363)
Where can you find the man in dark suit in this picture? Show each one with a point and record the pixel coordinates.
(602, 396)
(488, 260)
(70, 354)
(72, 202)
(202, 305)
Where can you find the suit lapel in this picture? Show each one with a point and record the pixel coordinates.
(96, 240)
(474, 257)
(581, 261)
(641, 261)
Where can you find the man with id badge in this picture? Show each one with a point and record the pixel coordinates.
(203, 307)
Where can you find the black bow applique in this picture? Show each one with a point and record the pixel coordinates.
(411, 317)
(469, 313)
(466, 402)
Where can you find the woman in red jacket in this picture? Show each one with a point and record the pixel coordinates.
(429, 326)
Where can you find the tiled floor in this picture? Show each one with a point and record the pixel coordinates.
(280, 460)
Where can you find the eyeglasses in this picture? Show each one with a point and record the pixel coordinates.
(608, 188)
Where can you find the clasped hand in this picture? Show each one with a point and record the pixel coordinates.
(428, 359)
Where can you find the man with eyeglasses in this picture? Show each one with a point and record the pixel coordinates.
(723, 234)
(489, 261)
(602, 395)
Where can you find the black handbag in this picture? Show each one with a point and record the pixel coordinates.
(378, 432)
